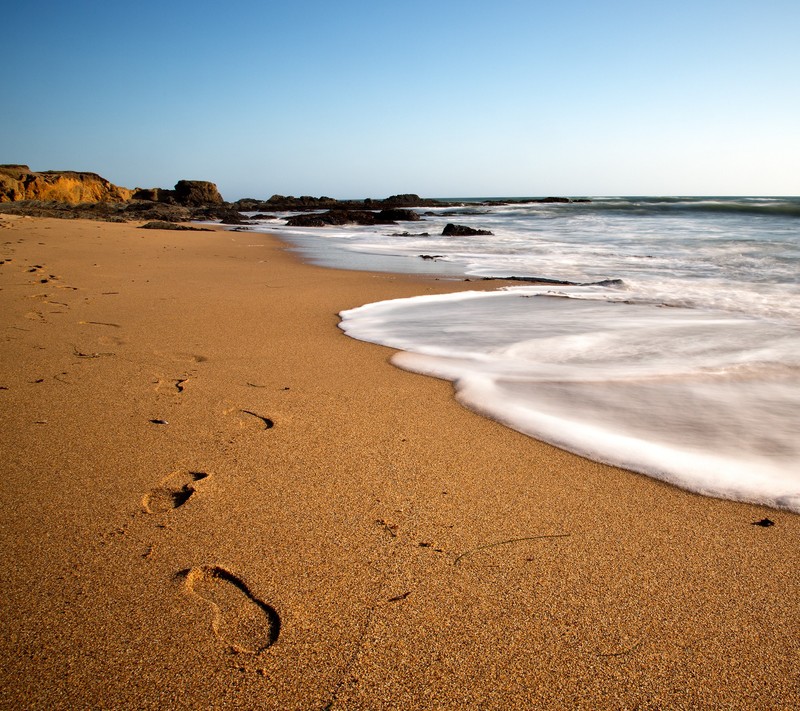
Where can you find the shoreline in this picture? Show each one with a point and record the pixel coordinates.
(197, 460)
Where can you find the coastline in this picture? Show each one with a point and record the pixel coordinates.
(416, 554)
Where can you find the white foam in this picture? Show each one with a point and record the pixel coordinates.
(704, 400)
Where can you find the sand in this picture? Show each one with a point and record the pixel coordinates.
(213, 498)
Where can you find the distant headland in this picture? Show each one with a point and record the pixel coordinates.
(79, 194)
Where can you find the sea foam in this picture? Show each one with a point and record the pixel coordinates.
(705, 400)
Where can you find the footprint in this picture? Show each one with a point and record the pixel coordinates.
(267, 422)
(176, 385)
(173, 492)
(240, 619)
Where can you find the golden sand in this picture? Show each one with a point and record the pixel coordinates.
(213, 498)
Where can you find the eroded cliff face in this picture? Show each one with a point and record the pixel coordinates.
(19, 182)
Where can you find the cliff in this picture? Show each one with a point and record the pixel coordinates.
(19, 182)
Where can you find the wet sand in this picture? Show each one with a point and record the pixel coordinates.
(213, 498)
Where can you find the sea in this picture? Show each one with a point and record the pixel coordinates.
(667, 343)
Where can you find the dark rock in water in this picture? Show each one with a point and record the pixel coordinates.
(337, 217)
(559, 282)
(312, 220)
(358, 217)
(332, 217)
(410, 234)
(390, 215)
(531, 280)
(452, 230)
(604, 282)
(553, 199)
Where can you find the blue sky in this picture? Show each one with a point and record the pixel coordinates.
(357, 99)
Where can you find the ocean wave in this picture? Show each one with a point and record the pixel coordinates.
(773, 207)
(707, 401)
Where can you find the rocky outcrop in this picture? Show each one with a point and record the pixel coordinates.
(188, 193)
(451, 230)
(19, 182)
(105, 211)
(306, 202)
(396, 214)
(159, 225)
(197, 192)
(352, 217)
(332, 218)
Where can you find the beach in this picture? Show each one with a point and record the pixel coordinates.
(213, 498)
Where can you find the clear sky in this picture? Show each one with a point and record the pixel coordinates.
(438, 97)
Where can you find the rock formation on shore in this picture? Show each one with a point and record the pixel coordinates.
(19, 182)
(190, 193)
(73, 194)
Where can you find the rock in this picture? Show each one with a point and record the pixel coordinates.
(19, 182)
(154, 195)
(249, 205)
(232, 217)
(197, 192)
(332, 217)
(452, 230)
(764, 523)
(306, 221)
(157, 211)
(391, 215)
(352, 217)
(282, 202)
(405, 200)
(160, 225)
(306, 202)
(547, 280)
